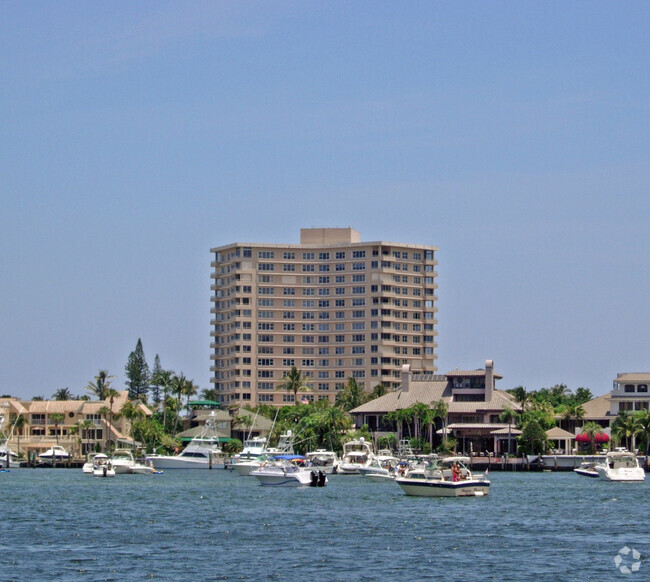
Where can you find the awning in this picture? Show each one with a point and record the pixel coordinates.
(204, 403)
(599, 437)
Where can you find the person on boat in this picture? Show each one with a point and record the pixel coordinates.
(455, 472)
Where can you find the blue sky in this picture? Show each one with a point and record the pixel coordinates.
(138, 135)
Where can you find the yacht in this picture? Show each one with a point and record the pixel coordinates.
(587, 469)
(620, 466)
(122, 460)
(326, 461)
(256, 452)
(449, 477)
(56, 453)
(356, 454)
(102, 466)
(283, 471)
(87, 468)
(7, 453)
(384, 463)
(202, 452)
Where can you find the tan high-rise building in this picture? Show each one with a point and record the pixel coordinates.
(333, 306)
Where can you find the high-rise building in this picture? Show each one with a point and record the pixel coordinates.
(333, 306)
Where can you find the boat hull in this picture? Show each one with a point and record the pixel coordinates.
(586, 472)
(440, 488)
(180, 463)
(622, 475)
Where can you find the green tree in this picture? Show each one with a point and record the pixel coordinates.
(583, 395)
(510, 416)
(156, 381)
(533, 439)
(440, 409)
(101, 384)
(351, 396)
(18, 425)
(105, 412)
(63, 394)
(137, 374)
(85, 427)
(132, 412)
(573, 413)
(233, 446)
(521, 396)
(642, 423)
(295, 381)
(624, 427)
(56, 419)
(377, 391)
(591, 429)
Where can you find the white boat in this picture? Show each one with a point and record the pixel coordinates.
(56, 453)
(283, 472)
(438, 479)
(87, 468)
(140, 469)
(6, 452)
(620, 466)
(256, 451)
(322, 460)
(102, 466)
(384, 463)
(122, 461)
(202, 452)
(356, 454)
(587, 469)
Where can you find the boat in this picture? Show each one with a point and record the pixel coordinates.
(102, 466)
(56, 453)
(202, 452)
(620, 466)
(7, 453)
(356, 454)
(326, 461)
(285, 471)
(87, 467)
(384, 463)
(123, 461)
(256, 452)
(587, 469)
(448, 477)
(141, 469)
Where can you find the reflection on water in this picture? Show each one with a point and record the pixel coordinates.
(215, 525)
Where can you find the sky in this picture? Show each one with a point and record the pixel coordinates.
(136, 136)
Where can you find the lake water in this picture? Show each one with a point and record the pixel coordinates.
(58, 524)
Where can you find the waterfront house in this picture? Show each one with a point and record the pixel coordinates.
(474, 407)
(79, 426)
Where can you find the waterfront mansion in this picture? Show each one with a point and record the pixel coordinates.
(474, 407)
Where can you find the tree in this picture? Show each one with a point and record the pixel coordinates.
(295, 381)
(101, 384)
(583, 395)
(441, 410)
(642, 423)
(105, 412)
(156, 381)
(18, 425)
(533, 439)
(63, 394)
(624, 427)
(573, 412)
(520, 395)
(137, 373)
(509, 415)
(591, 429)
(377, 391)
(56, 419)
(132, 412)
(351, 396)
(84, 427)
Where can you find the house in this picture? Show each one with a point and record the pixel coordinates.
(80, 426)
(474, 407)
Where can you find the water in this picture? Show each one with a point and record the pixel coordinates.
(214, 525)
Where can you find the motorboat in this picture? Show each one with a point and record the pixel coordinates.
(285, 471)
(87, 468)
(56, 453)
(8, 458)
(587, 469)
(256, 452)
(384, 463)
(202, 452)
(142, 469)
(356, 454)
(123, 461)
(448, 477)
(326, 461)
(102, 466)
(620, 466)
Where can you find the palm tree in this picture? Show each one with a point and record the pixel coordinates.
(642, 424)
(56, 419)
(441, 410)
(624, 427)
(19, 423)
(132, 412)
(63, 394)
(295, 381)
(84, 427)
(420, 412)
(105, 412)
(591, 429)
(521, 396)
(101, 384)
(509, 415)
(574, 412)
